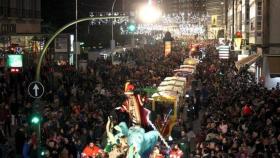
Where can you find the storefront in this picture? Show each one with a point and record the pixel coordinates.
(271, 67)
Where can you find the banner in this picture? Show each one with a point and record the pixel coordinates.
(214, 19)
(237, 44)
(167, 48)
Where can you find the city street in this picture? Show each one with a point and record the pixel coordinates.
(140, 79)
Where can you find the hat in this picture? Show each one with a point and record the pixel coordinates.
(128, 88)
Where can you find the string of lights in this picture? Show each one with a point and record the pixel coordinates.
(178, 24)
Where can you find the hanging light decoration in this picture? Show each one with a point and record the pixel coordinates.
(108, 21)
(181, 24)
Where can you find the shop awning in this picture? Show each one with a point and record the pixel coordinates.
(274, 65)
(248, 60)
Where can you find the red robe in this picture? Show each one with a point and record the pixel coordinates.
(135, 107)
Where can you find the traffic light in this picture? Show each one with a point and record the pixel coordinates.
(42, 152)
(131, 27)
(35, 119)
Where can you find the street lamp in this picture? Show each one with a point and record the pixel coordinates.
(112, 26)
(35, 121)
(149, 13)
(76, 35)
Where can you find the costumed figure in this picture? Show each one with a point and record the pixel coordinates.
(134, 106)
(156, 153)
(133, 142)
(141, 143)
(116, 144)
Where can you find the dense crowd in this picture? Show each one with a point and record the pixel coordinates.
(241, 118)
(76, 104)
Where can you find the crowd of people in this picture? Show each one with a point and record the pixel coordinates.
(76, 104)
(240, 117)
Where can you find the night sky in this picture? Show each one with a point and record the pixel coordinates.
(60, 12)
(56, 13)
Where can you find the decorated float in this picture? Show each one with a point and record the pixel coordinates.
(133, 141)
(167, 102)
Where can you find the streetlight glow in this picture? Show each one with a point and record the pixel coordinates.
(149, 13)
(132, 28)
(35, 120)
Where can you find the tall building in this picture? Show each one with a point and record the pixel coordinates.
(239, 13)
(216, 10)
(270, 40)
(19, 18)
(197, 7)
(258, 22)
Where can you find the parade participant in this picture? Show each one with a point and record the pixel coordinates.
(134, 106)
(176, 152)
(91, 151)
(156, 153)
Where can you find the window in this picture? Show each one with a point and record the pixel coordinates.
(19, 8)
(247, 37)
(259, 8)
(33, 8)
(259, 25)
(4, 7)
(247, 13)
(252, 28)
(259, 16)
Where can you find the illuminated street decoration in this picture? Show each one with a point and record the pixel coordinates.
(178, 24)
(191, 29)
(123, 20)
(176, 30)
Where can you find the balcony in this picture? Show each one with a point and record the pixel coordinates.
(19, 13)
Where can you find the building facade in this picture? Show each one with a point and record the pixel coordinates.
(258, 22)
(19, 20)
(20, 16)
(216, 10)
(197, 7)
(271, 42)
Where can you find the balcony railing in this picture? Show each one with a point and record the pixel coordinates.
(19, 13)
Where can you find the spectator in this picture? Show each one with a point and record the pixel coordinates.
(26, 148)
(176, 152)
(91, 151)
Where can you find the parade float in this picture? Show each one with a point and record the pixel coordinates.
(167, 102)
(133, 141)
